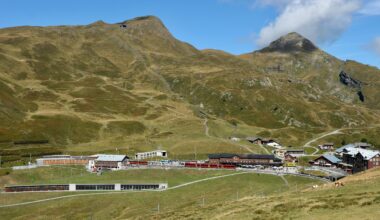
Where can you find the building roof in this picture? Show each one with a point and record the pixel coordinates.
(367, 154)
(332, 158)
(253, 138)
(65, 157)
(56, 156)
(342, 148)
(295, 150)
(222, 155)
(111, 157)
(161, 151)
(242, 156)
(362, 144)
(354, 145)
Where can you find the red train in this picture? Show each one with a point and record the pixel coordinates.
(134, 162)
(207, 165)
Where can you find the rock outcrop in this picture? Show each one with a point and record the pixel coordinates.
(347, 80)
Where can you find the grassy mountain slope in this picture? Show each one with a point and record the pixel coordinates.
(359, 198)
(133, 86)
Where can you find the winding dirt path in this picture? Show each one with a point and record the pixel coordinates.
(206, 127)
(207, 133)
(308, 144)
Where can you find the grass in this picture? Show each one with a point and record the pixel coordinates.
(358, 199)
(315, 172)
(139, 204)
(78, 174)
(304, 160)
(309, 150)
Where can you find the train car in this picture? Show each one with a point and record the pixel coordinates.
(208, 165)
(135, 162)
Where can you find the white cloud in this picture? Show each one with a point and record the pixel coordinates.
(375, 45)
(371, 7)
(319, 20)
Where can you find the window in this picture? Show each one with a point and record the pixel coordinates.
(85, 187)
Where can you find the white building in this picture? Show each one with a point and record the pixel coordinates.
(107, 161)
(280, 153)
(150, 154)
(236, 139)
(274, 144)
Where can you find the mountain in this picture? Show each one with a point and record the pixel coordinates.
(133, 86)
(292, 42)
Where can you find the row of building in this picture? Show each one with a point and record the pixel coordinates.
(351, 157)
(264, 141)
(102, 161)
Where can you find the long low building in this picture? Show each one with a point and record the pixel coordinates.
(86, 187)
(326, 160)
(244, 159)
(64, 160)
(107, 161)
(151, 154)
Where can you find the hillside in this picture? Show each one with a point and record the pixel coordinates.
(359, 198)
(133, 86)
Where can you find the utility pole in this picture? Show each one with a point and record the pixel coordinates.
(158, 208)
(237, 195)
(195, 152)
(0, 160)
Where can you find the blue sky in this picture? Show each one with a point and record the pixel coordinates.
(348, 29)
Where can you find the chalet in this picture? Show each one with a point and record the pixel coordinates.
(254, 140)
(274, 144)
(244, 159)
(290, 161)
(326, 146)
(361, 159)
(326, 160)
(280, 153)
(295, 152)
(107, 161)
(263, 141)
(361, 145)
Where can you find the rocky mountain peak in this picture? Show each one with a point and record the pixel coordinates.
(98, 23)
(146, 24)
(292, 42)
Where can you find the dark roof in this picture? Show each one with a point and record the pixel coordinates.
(253, 138)
(295, 150)
(222, 155)
(242, 156)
